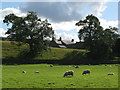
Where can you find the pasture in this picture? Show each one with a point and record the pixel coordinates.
(52, 77)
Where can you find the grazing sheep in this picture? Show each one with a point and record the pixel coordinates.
(68, 73)
(51, 65)
(117, 65)
(37, 72)
(76, 66)
(110, 74)
(110, 66)
(86, 72)
(23, 71)
(72, 66)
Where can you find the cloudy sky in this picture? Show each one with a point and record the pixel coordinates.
(63, 14)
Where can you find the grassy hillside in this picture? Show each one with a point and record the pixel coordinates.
(57, 53)
(12, 51)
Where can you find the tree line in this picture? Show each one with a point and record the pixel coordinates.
(35, 32)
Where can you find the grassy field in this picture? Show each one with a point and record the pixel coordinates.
(52, 77)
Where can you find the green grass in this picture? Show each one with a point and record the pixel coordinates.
(12, 51)
(56, 53)
(52, 77)
(0, 76)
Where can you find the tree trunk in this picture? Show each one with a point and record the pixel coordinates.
(31, 47)
(32, 51)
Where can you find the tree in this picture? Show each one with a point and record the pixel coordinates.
(29, 29)
(88, 32)
(97, 40)
(116, 48)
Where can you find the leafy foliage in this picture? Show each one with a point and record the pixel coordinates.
(117, 48)
(29, 29)
(97, 40)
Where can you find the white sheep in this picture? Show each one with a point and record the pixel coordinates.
(23, 71)
(37, 72)
(86, 72)
(76, 66)
(68, 73)
(110, 66)
(110, 74)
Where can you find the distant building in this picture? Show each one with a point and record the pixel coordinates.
(59, 43)
(3, 39)
(79, 45)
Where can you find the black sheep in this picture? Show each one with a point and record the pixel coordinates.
(68, 73)
(86, 72)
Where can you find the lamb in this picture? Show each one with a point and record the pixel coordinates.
(23, 71)
(86, 72)
(110, 74)
(68, 73)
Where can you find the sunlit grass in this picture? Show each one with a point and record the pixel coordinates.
(52, 77)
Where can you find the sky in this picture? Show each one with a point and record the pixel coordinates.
(63, 14)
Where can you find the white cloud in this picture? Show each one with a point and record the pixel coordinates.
(1, 19)
(98, 10)
(106, 23)
(2, 33)
(6, 11)
(67, 36)
(65, 26)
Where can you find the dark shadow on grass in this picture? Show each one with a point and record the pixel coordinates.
(25, 56)
(75, 57)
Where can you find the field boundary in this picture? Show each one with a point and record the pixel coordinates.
(39, 61)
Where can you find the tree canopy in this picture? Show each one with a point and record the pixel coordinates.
(97, 40)
(117, 48)
(29, 29)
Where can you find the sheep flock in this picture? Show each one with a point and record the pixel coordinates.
(71, 72)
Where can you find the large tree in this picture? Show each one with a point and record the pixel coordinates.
(117, 48)
(97, 40)
(29, 29)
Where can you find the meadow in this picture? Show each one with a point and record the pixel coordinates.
(52, 77)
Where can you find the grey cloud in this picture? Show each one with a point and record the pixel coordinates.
(59, 11)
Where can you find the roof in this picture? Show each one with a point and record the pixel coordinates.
(62, 46)
(68, 42)
(58, 42)
(63, 42)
